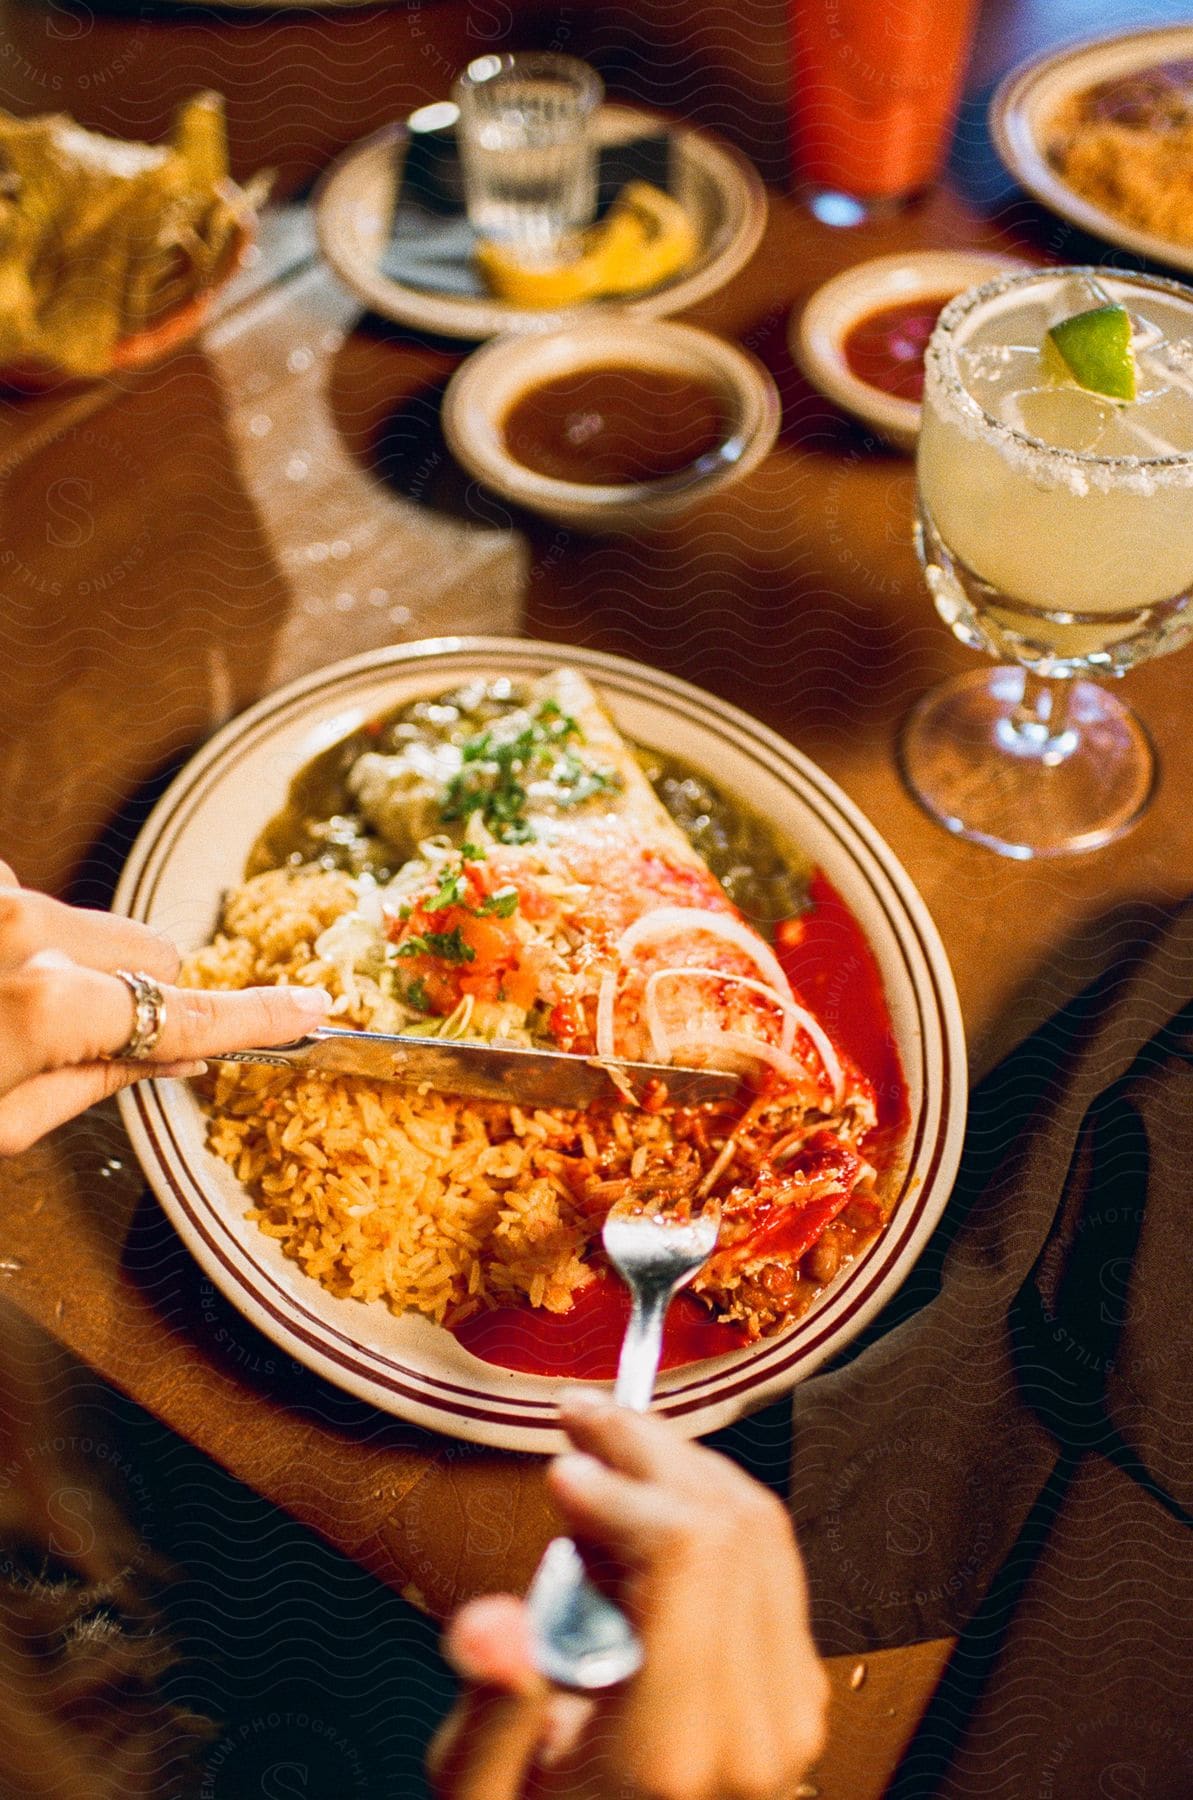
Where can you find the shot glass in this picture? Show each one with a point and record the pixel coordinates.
(528, 148)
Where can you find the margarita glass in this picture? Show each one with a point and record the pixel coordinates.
(1056, 533)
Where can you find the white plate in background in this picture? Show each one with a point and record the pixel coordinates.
(1027, 101)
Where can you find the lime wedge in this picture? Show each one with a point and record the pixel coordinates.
(1094, 350)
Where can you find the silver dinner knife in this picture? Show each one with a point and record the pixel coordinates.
(509, 1072)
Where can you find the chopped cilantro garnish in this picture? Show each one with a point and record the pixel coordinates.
(451, 891)
(471, 853)
(579, 783)
(494, 768)
(448, 946)
(415, 995)
(503, 903)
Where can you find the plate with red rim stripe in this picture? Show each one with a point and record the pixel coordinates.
(1028, 101)
(194, 846)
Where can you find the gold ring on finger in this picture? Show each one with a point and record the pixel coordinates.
(149, 1016)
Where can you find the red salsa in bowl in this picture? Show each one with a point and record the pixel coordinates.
(861, 336)
(885, 348)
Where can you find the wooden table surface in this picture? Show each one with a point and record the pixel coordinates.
(279, 496)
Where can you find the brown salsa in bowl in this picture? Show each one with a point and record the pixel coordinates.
(613, 424)
(616, 425)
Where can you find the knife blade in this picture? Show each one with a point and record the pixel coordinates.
(511, 1072)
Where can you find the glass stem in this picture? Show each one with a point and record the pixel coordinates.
(1039, 726)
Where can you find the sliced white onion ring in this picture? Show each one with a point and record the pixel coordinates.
(738, 1044)
(771, 1053)
(606, 994)
(829, 1060)
(658, 1031)
(666, 921)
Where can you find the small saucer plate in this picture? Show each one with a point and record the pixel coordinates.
(354, 207)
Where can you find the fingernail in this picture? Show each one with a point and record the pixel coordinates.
(567, 1715)
(576, 1470)
(584, 1399)
(311, 999)
(186, 1071)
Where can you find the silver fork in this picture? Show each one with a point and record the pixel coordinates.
(580, 1638)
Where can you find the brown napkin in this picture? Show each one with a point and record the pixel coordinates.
(1009, 1456)
(85, 1669)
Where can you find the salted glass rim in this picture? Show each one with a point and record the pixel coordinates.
(941, 362)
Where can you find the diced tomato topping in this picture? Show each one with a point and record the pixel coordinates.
(520, 987)
(494, 969)
(439, 984)
(533, 904)
(490, 938)
(567, 1023)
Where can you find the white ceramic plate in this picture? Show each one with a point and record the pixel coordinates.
(354, 208)
(816, 332)
(194, 845)
(1027, 101)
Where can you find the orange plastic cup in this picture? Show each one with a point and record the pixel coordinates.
(874, 93)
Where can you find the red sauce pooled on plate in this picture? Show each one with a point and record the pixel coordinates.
(582, 1345)
(886, 348)
(827, 959)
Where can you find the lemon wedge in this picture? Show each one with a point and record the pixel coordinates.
(645, 237)
(581, 272)
(1094, 349)
(667, 237)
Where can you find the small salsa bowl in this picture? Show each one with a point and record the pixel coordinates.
(817, 331)
(482, 392)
